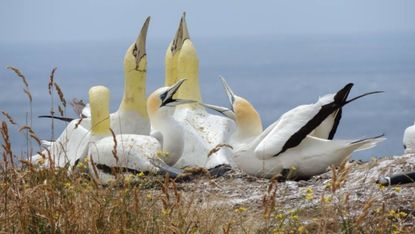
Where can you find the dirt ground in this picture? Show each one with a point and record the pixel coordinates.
(357, 181)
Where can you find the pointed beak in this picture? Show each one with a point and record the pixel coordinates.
(223, 110)
(167, 96)
(140, 44)
(228, 90)
(181, 35)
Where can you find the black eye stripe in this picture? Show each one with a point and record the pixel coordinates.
(163, 96)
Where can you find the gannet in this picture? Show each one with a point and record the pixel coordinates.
(131, 152)
(202, 131)
(272, 151)
(69, 147)
(131, 116)
(409, 139)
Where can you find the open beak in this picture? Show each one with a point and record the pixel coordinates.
(140, 44)
(181, 35)
(223, 110)
(228, 90)
(167, 96)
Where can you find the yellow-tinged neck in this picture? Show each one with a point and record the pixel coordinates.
(99, 98)
(170, 60)
(134, 84)
(188, 68)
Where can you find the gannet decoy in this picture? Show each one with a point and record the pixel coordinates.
(261, 153)
(131, 116)
(202, 131)
(69, 147)
(132, 153)
(409, 140)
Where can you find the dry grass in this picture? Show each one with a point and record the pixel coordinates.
(50, 200)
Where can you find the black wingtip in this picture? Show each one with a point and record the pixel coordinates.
(66, 119)
(368, 138)
(342, 94)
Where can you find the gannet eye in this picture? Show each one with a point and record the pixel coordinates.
(163, 96)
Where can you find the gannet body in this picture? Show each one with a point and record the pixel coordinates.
(272, 151)
(131, 153)
(409, 139)
(312, 157)
(202, 131)
(70, 146)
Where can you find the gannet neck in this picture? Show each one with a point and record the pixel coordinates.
(135, 71)
(99, 102)
(172, 53)
(172, 133)
(134, 98)
(161, 119)
(170, 61)
(188, 67)
(247, 120)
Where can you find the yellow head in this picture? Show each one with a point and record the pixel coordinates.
(99, 98)
(135, 72)
(246, 117)
(182, 62)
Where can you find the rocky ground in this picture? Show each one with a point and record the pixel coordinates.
(352, 187)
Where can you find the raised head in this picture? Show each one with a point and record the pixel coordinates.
(242, 112)
(99, 98)
(172, 52)
(162, 99)
(135, 72)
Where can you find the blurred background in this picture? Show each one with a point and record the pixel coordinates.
(277, 54)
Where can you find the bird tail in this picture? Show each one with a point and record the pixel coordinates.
(367, 143)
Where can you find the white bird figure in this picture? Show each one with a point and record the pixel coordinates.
(286, 144)
(131, 153)
(202, 131)
(68, 147)
(409, 140)
(131, 116)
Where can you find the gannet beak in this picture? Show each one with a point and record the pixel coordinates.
(140, 44)
(228, 90)
(181, 35)
(223, 110)
(167, 96)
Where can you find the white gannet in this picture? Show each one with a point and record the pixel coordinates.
(131, 152)
(131, 116)
(202, 131)
(273, 151)
(69, 147)
(409, 140)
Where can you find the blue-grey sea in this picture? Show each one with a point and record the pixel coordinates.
(276, 73)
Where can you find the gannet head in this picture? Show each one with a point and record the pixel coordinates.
(161, 101)
(182, 34)
(99, 98)
(172, 52)
(135, 57)
(242, 112)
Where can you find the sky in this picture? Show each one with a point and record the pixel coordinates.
(92, 20)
